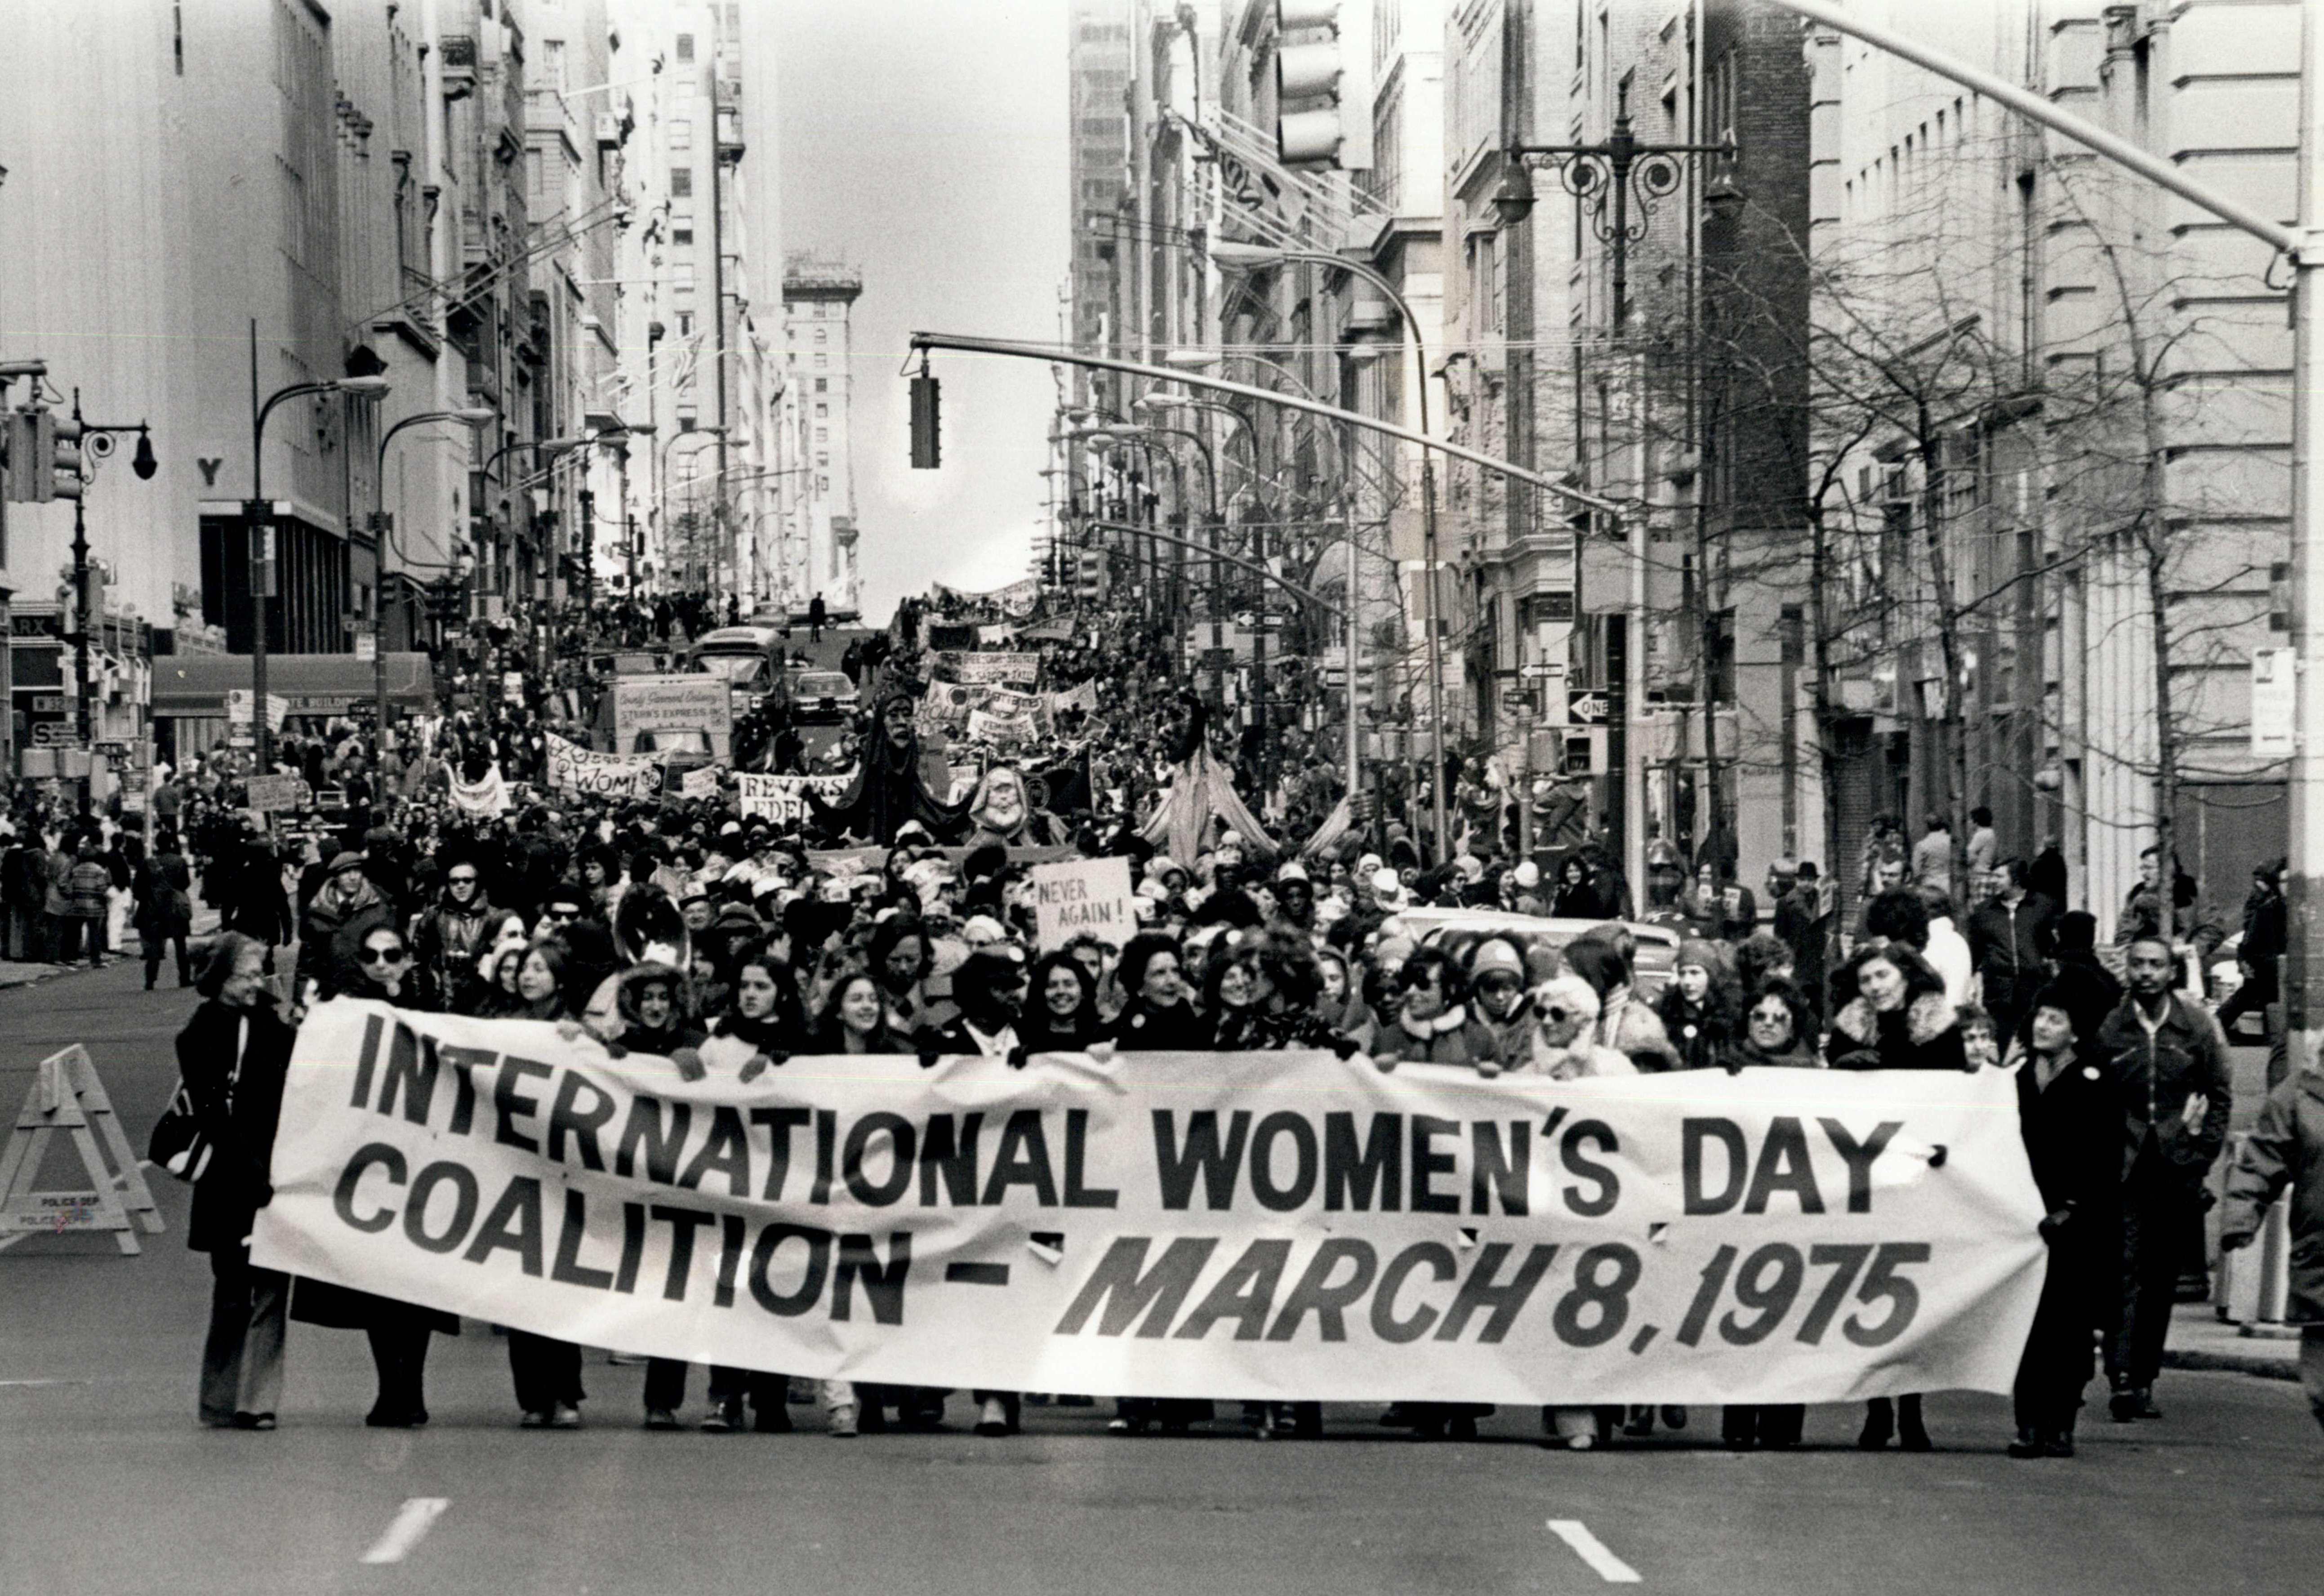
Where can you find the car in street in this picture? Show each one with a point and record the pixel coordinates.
(1457, 930)
(824, 696)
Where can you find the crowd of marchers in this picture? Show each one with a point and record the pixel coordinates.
(653, 926)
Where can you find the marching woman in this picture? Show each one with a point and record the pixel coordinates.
(2067, 1111)
(854, 1020)
(990, 989)
(1157, 1018)
(1061, 1016)
(1898, 1018)
(398, 1331)
(233, 1057)
(1777, 1034)
(547, 1371)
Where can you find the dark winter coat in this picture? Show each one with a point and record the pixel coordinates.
(2154, 1077)
(2286, 1147)
(2005, 944)
(1140, 1028)
(1441, 1040)
(331, 933)
(236, 1105)
(1925, 1034)
(2069, 1132)
(448, 942)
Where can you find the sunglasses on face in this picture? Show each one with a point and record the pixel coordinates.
(463, 881)
(564, 914)
(382, 955)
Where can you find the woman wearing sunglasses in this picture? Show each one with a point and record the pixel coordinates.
(398, 1331)
(1560, 1041)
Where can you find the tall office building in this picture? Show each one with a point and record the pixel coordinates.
(818, 500)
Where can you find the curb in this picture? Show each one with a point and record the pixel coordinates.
(2258, 1364)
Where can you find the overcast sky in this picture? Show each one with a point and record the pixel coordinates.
(924, 141)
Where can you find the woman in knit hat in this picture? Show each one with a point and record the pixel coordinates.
(1697, 1012)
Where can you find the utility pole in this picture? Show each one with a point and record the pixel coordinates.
(718, 293)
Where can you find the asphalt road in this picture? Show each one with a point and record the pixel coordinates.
(107, 1485)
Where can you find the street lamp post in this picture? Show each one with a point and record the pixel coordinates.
(1606, 179)
(1248, 255)
(96, 440)
(259, 514)
(474, 416)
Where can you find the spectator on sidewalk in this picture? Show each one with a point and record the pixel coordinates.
(89, 899)
(2286, 1149)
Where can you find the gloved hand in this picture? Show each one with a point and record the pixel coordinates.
(1016, 1058)
(762, 1061)
(928, 1056)
(690, 1066)
(2053, 1224)
(1346, 1046)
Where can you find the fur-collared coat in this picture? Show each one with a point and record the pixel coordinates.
(1441, 1040)
(1925, 1034)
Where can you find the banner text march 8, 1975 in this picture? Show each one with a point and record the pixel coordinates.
(1257, 1225)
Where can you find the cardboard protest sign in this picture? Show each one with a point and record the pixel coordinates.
(701, 703)
(701, 783)
(1089, 895)
(782, 799)
(1283, 1226)
(270, 793)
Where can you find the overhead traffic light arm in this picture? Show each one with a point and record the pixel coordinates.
(1612, 508)
(1206, 551)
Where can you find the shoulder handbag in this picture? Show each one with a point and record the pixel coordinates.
(180, 1144)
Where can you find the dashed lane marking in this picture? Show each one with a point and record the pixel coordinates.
(1592, 1551)
(409, 1526)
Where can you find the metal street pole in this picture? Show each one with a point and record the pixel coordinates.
(2306, 897)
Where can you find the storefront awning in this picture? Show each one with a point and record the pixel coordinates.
(188, 685)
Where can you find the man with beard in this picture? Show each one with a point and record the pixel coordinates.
(887, 789)
(1004, 813)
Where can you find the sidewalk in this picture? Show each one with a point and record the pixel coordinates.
(13, 974)
(2201, 1340)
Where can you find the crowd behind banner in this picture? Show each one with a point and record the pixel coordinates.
(889, 909)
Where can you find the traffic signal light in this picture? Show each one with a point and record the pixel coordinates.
(62, 461)
(926, 446)
(30, 437)
(1091, 582)
(1323, 83)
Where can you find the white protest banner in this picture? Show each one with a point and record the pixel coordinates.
(1016, 705)
(701, 783)
(1281, 1226)
(986, 668)
(575, 769)
(487, 797)
(948, 703)
(782, 799)
(1004, 729)
(672, 704)
(1083, 697)
(1082, 895)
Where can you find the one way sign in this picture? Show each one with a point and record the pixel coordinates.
(1584, 707)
